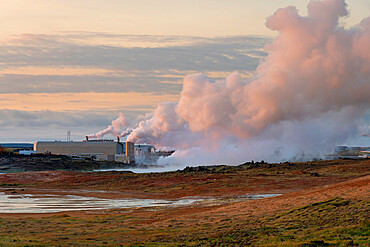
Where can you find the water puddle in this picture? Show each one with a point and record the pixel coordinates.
(49, 203)
(140, 170)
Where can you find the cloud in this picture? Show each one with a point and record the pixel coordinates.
(204, 54)
(83, 101)
(85, 83)
(29, 126)
(40, 119)
(133, 69)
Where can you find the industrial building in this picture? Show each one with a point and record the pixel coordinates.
(95, 149)
(148, 154)
(100, 150)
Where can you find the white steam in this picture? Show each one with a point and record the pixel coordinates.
(308, 95)
(114, 129)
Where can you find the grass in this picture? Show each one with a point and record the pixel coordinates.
(337, 221)
(334, 222)
(214, 180)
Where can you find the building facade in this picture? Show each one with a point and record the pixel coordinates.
(98, 149)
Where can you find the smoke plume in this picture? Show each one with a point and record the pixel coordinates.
(308, 95)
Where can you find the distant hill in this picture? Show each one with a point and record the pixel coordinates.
(17, 145)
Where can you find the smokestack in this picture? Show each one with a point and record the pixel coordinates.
(87, 138)
(117, 138)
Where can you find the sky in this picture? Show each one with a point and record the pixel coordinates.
(74, 65)
(145, 17)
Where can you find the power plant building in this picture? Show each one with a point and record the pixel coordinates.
(97, 149)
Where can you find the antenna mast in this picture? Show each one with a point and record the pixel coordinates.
(68, 135)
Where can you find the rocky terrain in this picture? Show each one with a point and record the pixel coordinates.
(41, 162)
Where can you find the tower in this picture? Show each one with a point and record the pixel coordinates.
(68, 135)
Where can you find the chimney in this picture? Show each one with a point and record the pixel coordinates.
(87, 138)
(117, 138)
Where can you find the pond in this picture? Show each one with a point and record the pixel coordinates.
(50, 203)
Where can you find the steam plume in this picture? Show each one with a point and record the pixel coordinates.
(309, 94)
(114, 128)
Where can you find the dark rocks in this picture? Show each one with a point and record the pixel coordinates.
(315, 243)
(16, 163)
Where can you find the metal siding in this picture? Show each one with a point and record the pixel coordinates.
(70, 148)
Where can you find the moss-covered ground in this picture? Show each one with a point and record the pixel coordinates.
(324, 204)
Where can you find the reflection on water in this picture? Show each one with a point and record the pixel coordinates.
(253, 197)
(28, 203)
(142, 170)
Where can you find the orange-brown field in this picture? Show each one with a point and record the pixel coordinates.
(323, 203)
